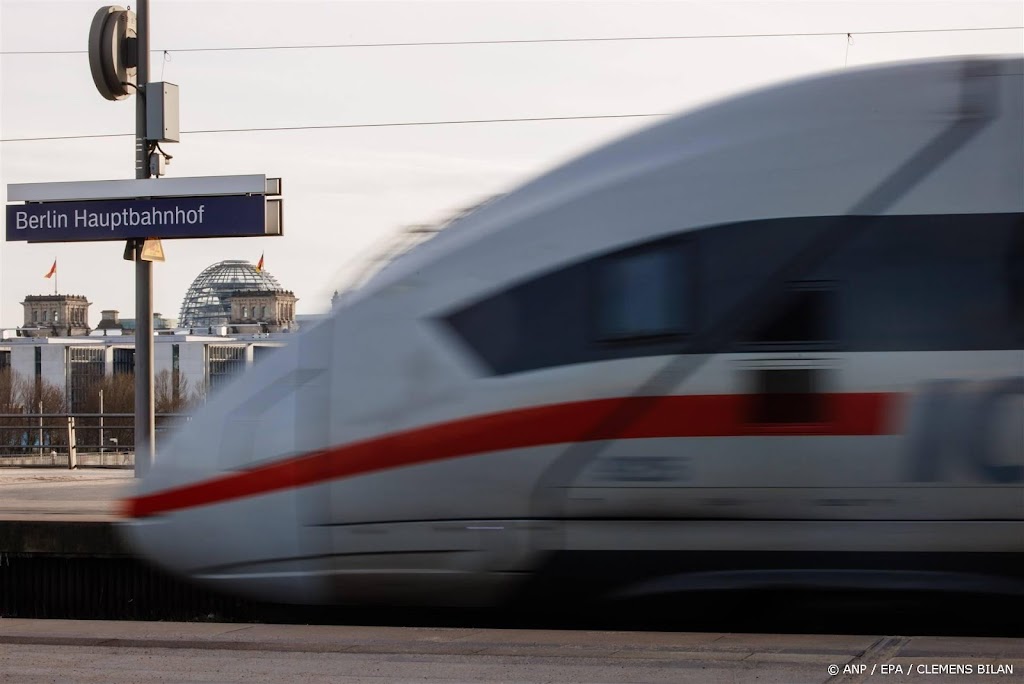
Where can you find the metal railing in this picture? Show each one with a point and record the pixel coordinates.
(71, 434)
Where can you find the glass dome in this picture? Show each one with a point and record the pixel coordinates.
(208, 300)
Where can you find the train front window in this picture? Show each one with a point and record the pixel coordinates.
(644, 294)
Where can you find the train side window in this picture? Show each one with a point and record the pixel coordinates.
(787, 396)
(645, 293)
(932, 283)
(804, 317)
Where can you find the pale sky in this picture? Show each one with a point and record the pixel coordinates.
(347, 190)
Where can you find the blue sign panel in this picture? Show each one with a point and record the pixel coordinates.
(166, 217)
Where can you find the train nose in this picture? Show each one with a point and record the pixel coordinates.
(213, 507)
(193, 516)
(248, 546)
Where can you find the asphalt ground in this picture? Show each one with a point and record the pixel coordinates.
(84, 651)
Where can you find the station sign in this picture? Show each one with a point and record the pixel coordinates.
(172, 217)
(220, 206)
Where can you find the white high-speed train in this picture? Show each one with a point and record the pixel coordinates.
(776, 341)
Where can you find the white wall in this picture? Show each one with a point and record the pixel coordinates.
(53, 357)
(161, 357)
(23, 360)
(191, 358)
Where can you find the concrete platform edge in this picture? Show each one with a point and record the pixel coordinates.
(62, 538)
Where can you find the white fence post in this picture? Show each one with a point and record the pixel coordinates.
(72, 455)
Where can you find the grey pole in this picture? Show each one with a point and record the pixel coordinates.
(144, 421)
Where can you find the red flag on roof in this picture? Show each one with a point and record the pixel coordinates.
(52, 271)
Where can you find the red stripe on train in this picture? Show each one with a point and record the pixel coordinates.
(717, 415)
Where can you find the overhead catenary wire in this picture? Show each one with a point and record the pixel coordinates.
(847, 34)
(385, 124)
(537, 41)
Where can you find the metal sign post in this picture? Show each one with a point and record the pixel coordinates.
(144, 210)
(145, 421)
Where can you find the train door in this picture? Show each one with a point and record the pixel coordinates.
(731, 425)
(931, 319)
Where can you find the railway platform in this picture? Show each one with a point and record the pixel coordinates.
(61, 555)
(61, 512)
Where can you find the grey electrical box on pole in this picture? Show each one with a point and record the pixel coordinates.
(162, 112)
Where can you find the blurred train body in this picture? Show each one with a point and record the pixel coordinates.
(776, 341)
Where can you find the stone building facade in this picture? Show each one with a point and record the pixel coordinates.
(55, 315)
(263, 311)
(110, 319)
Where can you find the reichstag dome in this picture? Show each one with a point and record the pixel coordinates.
(208, 300)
